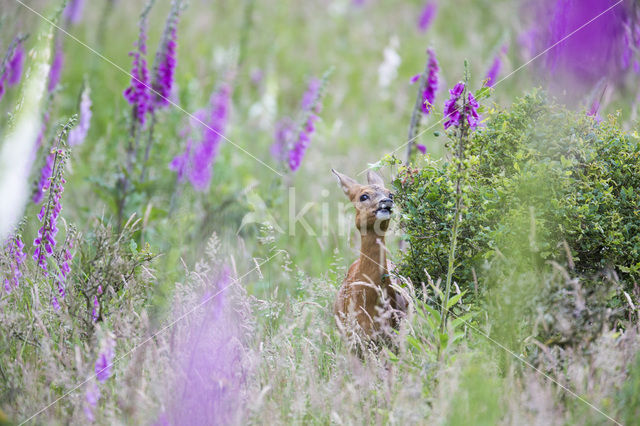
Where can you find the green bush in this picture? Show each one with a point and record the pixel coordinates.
(542, 182)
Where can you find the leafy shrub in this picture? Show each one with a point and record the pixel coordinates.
(543, 183)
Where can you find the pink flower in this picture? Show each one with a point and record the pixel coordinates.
(137, 94)
(310, 106)
(165, 62)
(429, 94)
(56, 67)
(426, 16)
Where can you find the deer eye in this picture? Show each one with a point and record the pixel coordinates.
(364, 197)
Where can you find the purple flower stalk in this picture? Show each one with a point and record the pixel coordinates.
(96, 309)
(577, 58)
(429, 94)
(73, 11)
(471, 111)
(92, 396)
(137, 94)
(594, 111)
(205, 153)
(210, 362)
(15, 248)
(452, 111)
(426, 16)
(283, 134)
(105, 362)
(180, 163)
(494, 70)
(12, 71)
(56, 67)
(55, 303)
(45, 178)
(310, 106)
(15, 66)
(65, 267)
(78, 134)
(49, 213)
(165, 62)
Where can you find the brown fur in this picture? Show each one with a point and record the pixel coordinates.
(366, 295)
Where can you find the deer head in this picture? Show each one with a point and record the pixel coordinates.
(373, 202)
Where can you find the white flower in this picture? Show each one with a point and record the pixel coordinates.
(388, 69)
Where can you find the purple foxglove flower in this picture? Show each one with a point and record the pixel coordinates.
(282, 136)
(44, 183)
(311, 95)
(15, 66)
(471, 111)
(49, 213)
(92, 396)
(580, 57)
(205, 153)
(180, 163)
(55, 304)
(426, 16)
(65, 267)
(296, 154)
(594, 111)
(16, 255)
(165, 62)
(310, 106)
(431, 86)
(421, 148)
(451, 110)
(78, 134)
(210, 361)
(56, 67)
(73, 11)
(137, 94)
(104, 363)
(96, 309)
(494, 70)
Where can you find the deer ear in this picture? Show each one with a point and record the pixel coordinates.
(374, 179)
(347, 184)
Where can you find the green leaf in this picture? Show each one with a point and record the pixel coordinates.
(415, 343)
(461, 319)
(482, 93)
(392, 357)
(444, 340)
(454, 300)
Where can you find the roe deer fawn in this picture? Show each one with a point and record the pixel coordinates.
(366, 295)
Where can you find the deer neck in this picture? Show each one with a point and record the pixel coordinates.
(373, 260)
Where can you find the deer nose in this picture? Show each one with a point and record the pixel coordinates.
(386, 203)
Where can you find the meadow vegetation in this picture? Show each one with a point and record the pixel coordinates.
(173, 238)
